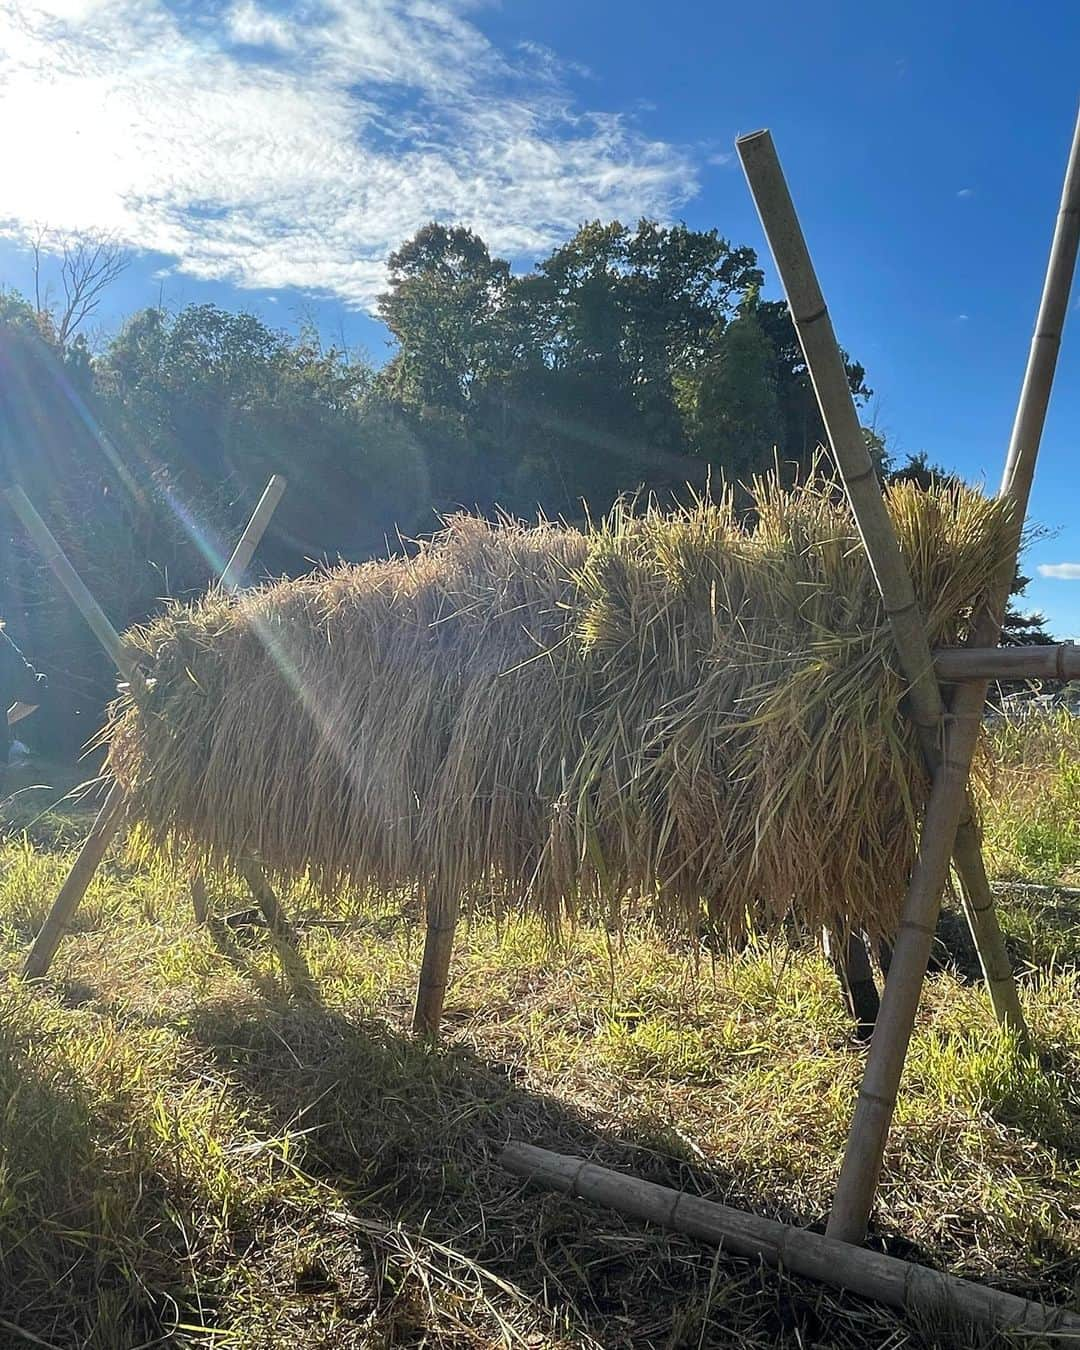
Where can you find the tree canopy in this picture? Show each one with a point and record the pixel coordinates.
(630, 358)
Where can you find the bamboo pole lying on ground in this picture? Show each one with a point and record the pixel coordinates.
(829, 376)
(877, 1097)
(111, 815)
(885, 1279)
(954, 664)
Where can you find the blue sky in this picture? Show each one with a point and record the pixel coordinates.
(268, 156)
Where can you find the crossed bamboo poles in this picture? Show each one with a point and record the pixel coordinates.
(111, 815)
(948, 737)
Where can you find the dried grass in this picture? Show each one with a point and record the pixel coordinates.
(682, 706)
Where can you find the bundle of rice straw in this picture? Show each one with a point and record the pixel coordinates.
(692, 707)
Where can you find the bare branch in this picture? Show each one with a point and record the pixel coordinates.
(37, 243)
(90, 265)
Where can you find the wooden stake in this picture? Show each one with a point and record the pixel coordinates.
(873, 1112)
(885, 1279)
(111, 815)
(442, 917)
(825, 363)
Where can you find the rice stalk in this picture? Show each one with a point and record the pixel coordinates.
(693, 707)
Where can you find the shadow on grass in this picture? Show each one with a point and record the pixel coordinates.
(405, 1137)
(389, 1222)
(89, 1255)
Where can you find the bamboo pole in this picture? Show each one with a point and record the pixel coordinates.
(825, 363)
(200, 901)
(58, 921)
(231, 579)
(111, 815)
(849, 958)
(877, 1097)
(885, 1279)
(442, 917)
(955, 664)
(62, 569)
(233, 575)
(266, 899)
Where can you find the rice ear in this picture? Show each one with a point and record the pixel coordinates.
(688, 707)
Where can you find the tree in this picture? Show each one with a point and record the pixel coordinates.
(802, 430)
(737, 419)
(89, 265)
(562, 383)
(444, 307)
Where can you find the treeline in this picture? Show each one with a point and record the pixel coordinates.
(630, 358)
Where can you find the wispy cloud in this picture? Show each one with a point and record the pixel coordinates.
(966, 192)
(1062, 571)
(297, 147)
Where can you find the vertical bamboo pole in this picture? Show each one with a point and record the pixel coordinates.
(877, 1098)
(814, 327)
(111, 815)
(851, 961)
(200, 901)
(442, 917)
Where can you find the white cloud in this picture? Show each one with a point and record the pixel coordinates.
(247, 23)
(1062, 571)
(966, 192)
(276, 148)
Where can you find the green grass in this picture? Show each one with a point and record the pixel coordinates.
(201, 1147)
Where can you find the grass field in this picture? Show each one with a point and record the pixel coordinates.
(201, 1145)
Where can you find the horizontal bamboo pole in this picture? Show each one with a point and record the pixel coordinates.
(954, 664)
(825, 363)
(861, 1167)
(885, 1279)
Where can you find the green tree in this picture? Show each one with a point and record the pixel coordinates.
(445, 309)
(737, 422)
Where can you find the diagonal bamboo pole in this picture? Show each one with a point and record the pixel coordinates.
(814, 327)
(877, 1097)
(111, 815)
(925, 1293)
(232, 578)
